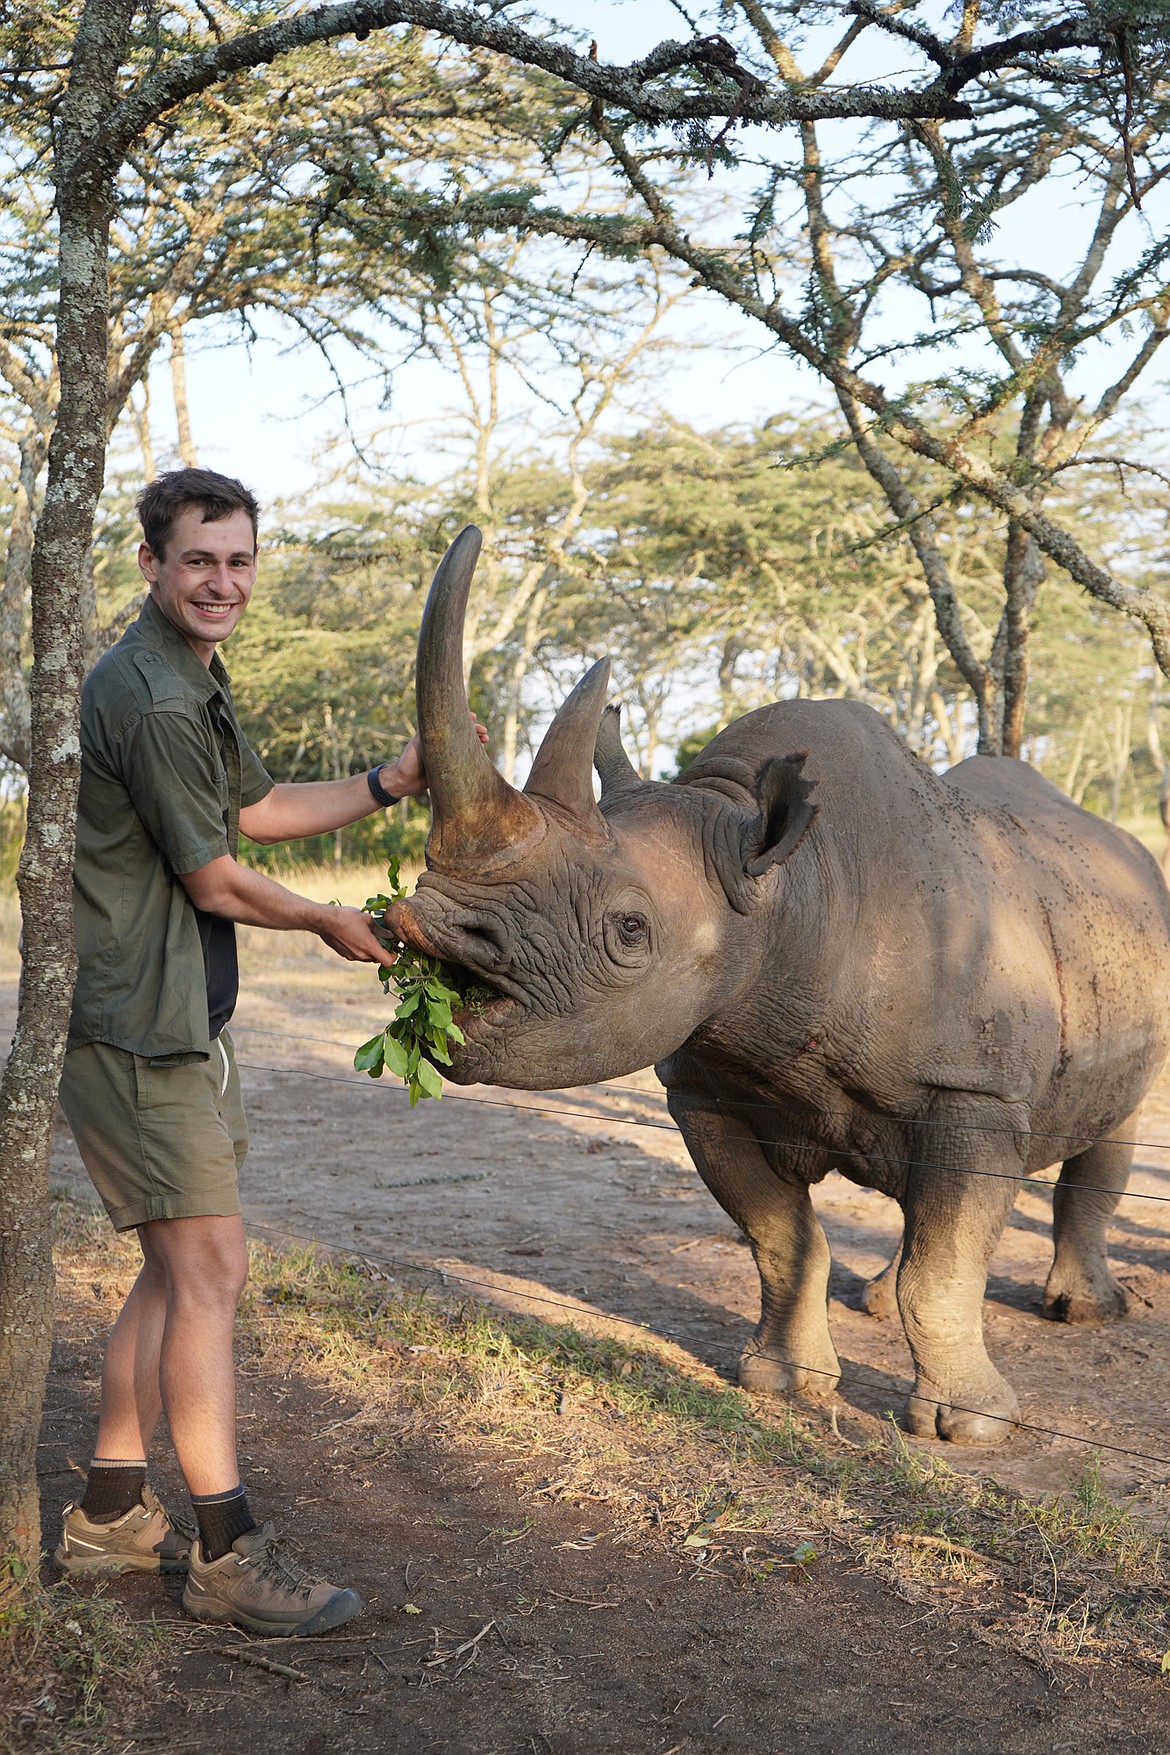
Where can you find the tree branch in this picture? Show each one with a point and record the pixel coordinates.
(726, 91)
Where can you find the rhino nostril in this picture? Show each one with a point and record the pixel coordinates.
(483, 941)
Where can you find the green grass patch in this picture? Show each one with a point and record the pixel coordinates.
(680, 1455)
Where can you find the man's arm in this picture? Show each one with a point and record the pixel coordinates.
(317, 807)
(248, 897)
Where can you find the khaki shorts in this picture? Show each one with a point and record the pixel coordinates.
(161, 1139)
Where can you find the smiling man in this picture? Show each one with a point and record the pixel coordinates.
(150, 1085)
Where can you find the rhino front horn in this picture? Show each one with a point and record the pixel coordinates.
(477, 818)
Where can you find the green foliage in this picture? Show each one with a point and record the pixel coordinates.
(422, 1028)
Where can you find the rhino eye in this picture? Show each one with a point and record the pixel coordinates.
(631, 928)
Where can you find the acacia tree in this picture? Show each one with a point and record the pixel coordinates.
(872, 253)
(130, 71)
(217, 221)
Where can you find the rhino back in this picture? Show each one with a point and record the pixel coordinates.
(969, 932)
(1105, 908)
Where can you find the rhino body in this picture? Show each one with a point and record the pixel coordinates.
(835, 959)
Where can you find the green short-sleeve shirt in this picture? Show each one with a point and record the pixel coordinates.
(165, 771)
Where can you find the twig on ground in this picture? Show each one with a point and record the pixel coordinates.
(447, 1657)
(245, 1656)
(944, 1545)
(838, 1434)
(583, 1602)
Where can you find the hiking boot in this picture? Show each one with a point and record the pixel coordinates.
(258, 1585)
(144, 1540)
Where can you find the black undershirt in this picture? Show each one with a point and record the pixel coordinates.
(221, 969)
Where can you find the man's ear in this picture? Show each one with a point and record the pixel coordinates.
(786, 814)
(147, 564)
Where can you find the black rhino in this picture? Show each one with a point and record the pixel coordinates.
(836, 959)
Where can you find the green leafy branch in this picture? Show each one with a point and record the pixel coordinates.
(422, 1028)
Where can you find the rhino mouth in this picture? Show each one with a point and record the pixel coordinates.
(488, 997)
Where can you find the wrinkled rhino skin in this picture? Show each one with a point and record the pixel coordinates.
(836, 959)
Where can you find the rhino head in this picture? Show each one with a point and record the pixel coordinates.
(611, 933)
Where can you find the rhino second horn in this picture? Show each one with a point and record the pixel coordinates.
(476, 816)
(562, 773)
(618, 773)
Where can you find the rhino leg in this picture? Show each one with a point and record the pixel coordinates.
(791, 1352)
(953, 1222)
(1080, 1287)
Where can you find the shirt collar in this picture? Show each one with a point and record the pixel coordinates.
(164, 637)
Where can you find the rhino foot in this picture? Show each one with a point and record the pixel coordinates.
(1084, 1298)
(880, 1297)
(979, 1412)
(763, 1373)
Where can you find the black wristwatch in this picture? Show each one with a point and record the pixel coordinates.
(377, 790)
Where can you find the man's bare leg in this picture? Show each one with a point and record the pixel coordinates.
(131, 1399)
(172, 1346)
(203, 1264)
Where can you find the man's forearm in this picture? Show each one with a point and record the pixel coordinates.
(314, 807)
(250, 899)
(239, 893)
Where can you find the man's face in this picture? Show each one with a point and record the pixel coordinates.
(203, 582)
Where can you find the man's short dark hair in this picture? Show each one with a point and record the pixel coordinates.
(218, 496)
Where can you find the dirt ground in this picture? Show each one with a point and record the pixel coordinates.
(587, 1198)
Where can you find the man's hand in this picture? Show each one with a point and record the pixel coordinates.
(348, 932)
(407, 777)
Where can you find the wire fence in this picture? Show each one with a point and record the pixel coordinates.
(444, 1273)
(812, 1149)
(848, 1379)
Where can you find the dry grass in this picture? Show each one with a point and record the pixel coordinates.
(65, 1660)
(670, 1455)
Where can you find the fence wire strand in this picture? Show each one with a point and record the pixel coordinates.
(445, 1273)
(1083, 1140)
(849, 1380)
(1019, 1180)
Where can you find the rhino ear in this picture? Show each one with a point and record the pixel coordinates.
(786, 814)
(614, 767)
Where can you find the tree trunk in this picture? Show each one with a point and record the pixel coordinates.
(1023, 576)
(14, 592)
(516, 677)
(1157, 755)
(64, 530)
(182, 410)
(141, 418)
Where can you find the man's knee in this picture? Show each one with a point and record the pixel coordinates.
(204, 1260)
